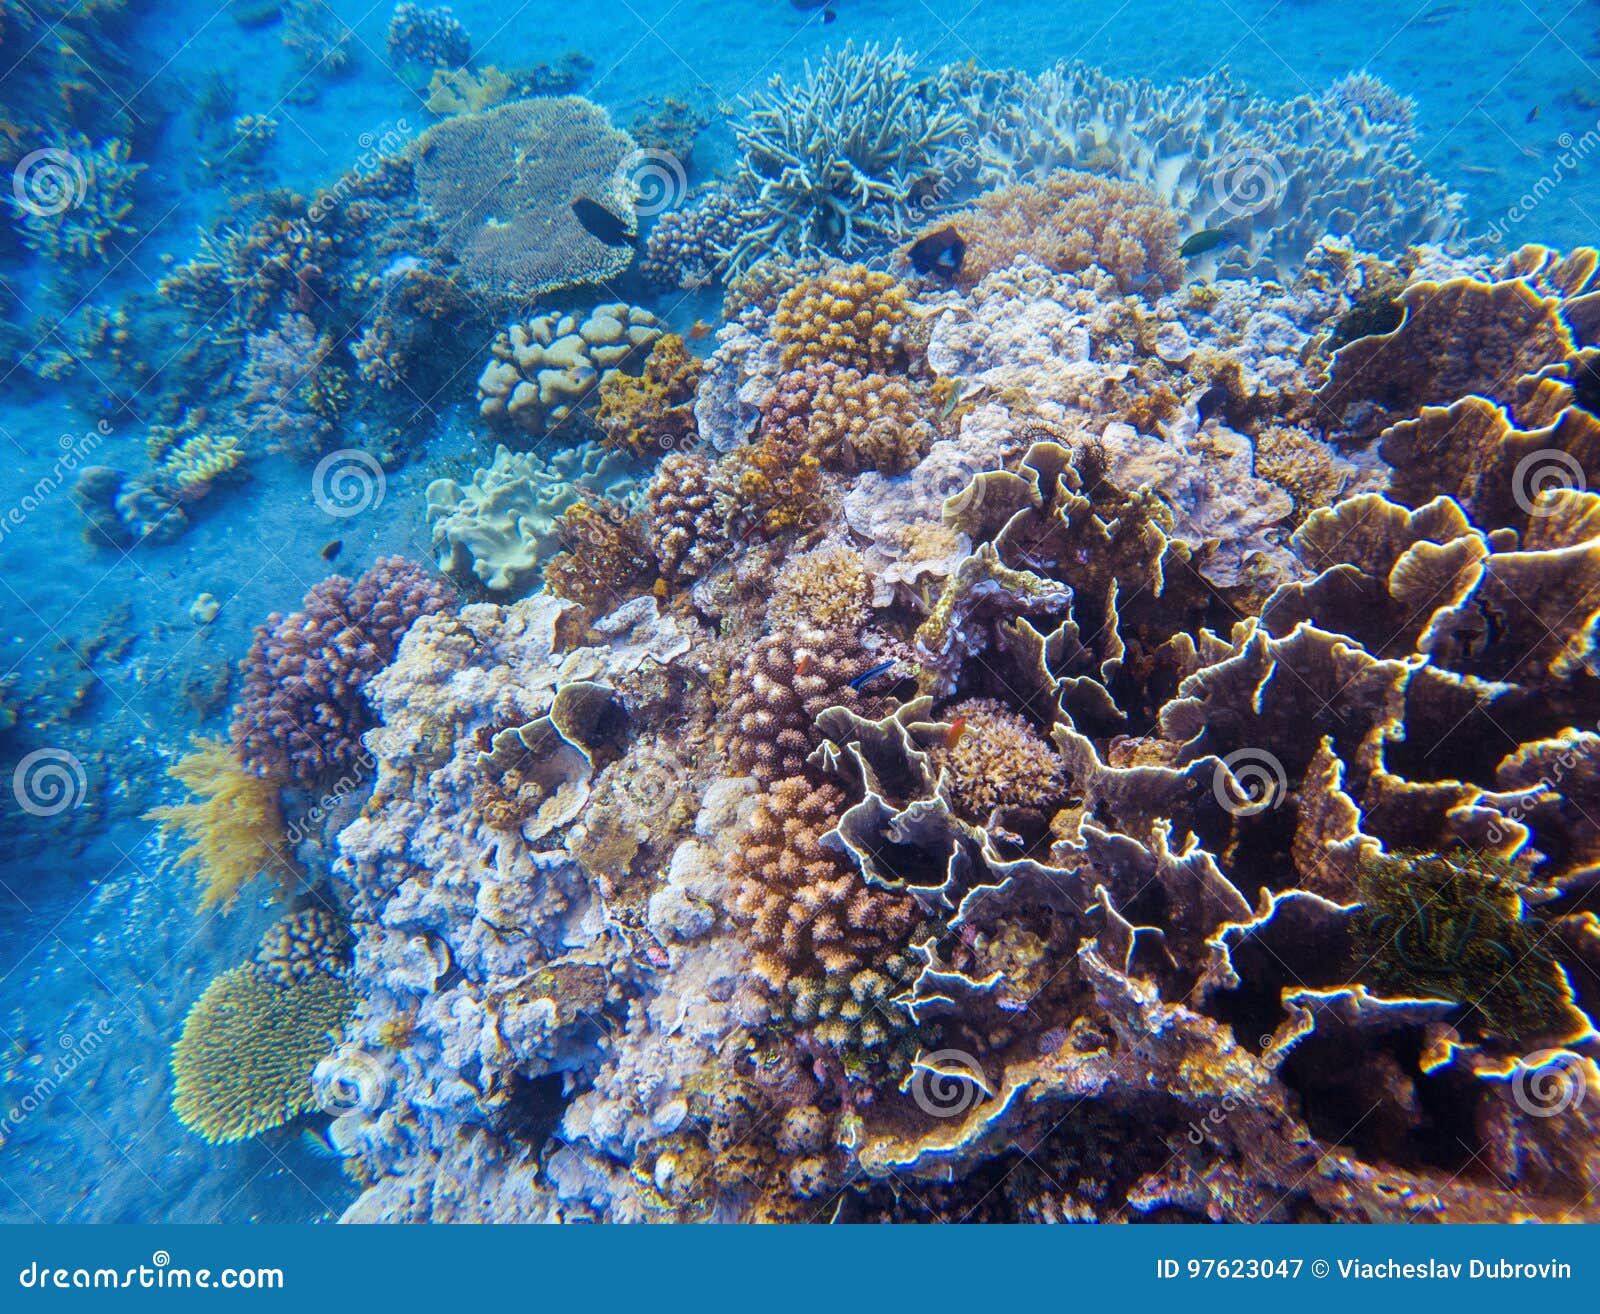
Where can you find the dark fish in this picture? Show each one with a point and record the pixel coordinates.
(602, 224)
(331, 550)
(828, 15)
(1207, 239)
(873, 674)
(1532, 115)
(939, 253)
(1213, 401)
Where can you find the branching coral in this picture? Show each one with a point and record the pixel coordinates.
(607, 559)
(233, 823)
(992, 758)
(196, 463)
(840, 161)
(72, 203)
(303, 710)
(848, 420)
(688, 529)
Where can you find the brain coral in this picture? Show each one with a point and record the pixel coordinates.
(501, 185)
(1069, 221)
(546, 373)
(243, 1063)
(303, 709)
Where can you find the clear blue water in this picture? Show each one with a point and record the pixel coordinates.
(101, 950)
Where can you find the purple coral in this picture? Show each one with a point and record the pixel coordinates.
(688, 248)
(304, 709)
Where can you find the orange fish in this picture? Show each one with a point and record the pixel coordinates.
(958, 727)
(803, 665)
(698, 330)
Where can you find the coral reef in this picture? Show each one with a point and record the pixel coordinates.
(502, 525)
(502, 182)
(688, 527)
(849, 315)
(689, 248)
(654, 411)
(428, 39)
(547, 373)
(243, 1064)
(304, 707)
(233, 824)
(843, 158)
(72, 203)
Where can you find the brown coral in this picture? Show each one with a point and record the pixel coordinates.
(1071, 221)
(849, 420)
(655, 410)
(829, 588)
(773, 488)
(687, 533)
(993, 758)
(607, 560)
(850, 315)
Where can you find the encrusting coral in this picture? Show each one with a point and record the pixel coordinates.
(233, 824)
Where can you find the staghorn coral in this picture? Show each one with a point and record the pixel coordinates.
(840, 161)
(233, 824)
(501, 183)
(688, 530)
(656, 409)
(546, 374)
(1069, 221)
(847, 315)
(72, 203)
(244, 1061)
(303, 709)
(196, 463)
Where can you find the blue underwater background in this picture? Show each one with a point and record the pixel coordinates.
(102, 951)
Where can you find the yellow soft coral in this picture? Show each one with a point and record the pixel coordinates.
(243, 1063)
(234, 825)
(197, 462)
(655, 410)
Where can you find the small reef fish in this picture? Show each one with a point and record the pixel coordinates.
(1213, 401)
(600, 223)
(699, 329)
(1532, 115)
(873, 674)
(331, 550)
(1207, 239)
(939, 254)
(958, 727)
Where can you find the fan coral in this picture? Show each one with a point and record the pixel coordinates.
(1277, 176)
(1068, 222)
(688, 249)
(848, 420)
(502, 182)
(776, 691)
(546, 374)
(688, 531)
(303, 710)
(993, 758)
(655, 410)
(244, 1061)
(808, 912)
(842, 160)
(71, 203)
(233, 825)
(849, 315)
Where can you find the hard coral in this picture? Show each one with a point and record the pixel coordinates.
(1068, 222)
(688, 249)
(993, 758)
(688, 531)
(303, 710)
(848, 315)
(849, 420)
(656, 410)
(233, 824)
(607, 560)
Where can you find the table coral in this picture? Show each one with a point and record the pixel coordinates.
(303, 709)
(501, 183)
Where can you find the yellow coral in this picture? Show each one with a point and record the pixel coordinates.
(655, 410)
(460, 91)
(234, 826)
(777, 490)
(194, 464)
(829, 589)
(850, 315)
(243, 1063)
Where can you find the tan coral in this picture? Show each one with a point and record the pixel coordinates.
(849, 315)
